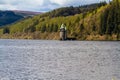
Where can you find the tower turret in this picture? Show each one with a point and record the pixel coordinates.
(63, 32)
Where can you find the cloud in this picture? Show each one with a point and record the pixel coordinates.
(41, 5)
(21, 4)
(75, 2)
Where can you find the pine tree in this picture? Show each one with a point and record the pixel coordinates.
(110, 23)
(51, 28)
(103, 23)
(6, 30)
(43, 28)
(55, 28)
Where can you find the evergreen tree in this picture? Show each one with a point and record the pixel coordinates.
(104, 22)
(110, 23)
(30, 28)
(118, 32)
(6, 30)
(94, 27)
(51, 28)
(43, 28)
(81, 29)
(55, 28)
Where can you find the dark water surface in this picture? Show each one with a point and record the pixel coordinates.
(59, 60)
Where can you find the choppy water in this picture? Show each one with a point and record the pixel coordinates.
(59, 60)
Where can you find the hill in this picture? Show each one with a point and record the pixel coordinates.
(26, 13)
(100, 22)
(69, 11)
(8, 17)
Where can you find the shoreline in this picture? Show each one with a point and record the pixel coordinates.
(58, 40)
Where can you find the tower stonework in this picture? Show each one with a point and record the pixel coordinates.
(63, 32)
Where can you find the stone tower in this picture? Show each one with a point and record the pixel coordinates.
(63, 32)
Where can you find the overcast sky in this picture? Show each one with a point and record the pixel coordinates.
(41, 5)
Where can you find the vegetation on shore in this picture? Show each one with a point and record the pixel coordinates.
(90, 22)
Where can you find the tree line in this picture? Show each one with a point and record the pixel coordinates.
(82, 21)
(110, 19)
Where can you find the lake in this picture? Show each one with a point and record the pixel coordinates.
(59, 60)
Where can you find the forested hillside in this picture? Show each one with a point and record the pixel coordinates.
(68, 11)
(90, 22)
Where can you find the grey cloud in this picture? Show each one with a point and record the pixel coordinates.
(41, 5)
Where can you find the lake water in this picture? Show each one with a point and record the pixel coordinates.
(59, 60)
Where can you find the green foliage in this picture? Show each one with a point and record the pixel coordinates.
(118, 32)
(94, 28)
(81, 28)
(6, 30)
(45, 22)
(103, 22)
(50, 28)
(1, 31)
(110, 19)
(55, 28)
(97, 21)
(67, 11)
(30, 28)
(43, 28)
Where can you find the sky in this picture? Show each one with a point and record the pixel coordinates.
(42, 5)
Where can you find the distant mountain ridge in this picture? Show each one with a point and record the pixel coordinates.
(26, 13)
(8, 16)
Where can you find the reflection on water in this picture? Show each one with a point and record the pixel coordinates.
(59, 60)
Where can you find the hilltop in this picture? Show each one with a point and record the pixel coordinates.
(100, 21)
(8, 17)
(26, 13)
(11, 16)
